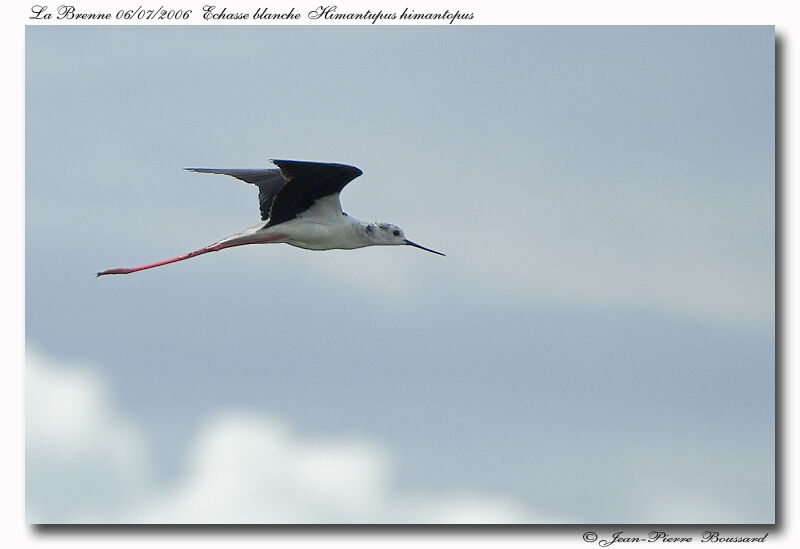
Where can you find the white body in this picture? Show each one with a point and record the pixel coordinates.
(321, 227)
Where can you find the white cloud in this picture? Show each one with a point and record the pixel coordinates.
(84, 460)
(246, 467)
(88, 462)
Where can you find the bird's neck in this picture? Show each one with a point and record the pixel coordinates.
(361, 229)
(369, 232)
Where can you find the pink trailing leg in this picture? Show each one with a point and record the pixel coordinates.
(211, 248)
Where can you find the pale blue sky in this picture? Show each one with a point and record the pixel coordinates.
(597, 346)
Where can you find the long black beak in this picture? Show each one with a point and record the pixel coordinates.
(422, 247)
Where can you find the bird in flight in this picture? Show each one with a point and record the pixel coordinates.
(300, 206)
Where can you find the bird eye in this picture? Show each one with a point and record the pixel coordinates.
(396, 233)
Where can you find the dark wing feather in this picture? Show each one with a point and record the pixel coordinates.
(269, 182)
(307, 182)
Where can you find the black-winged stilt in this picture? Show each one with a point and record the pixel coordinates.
(299, 206)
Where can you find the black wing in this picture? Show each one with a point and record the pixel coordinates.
(307, 182)
(269, 182)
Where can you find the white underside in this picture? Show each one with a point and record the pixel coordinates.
(321, 227)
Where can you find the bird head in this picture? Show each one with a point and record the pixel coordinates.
(386, 234)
